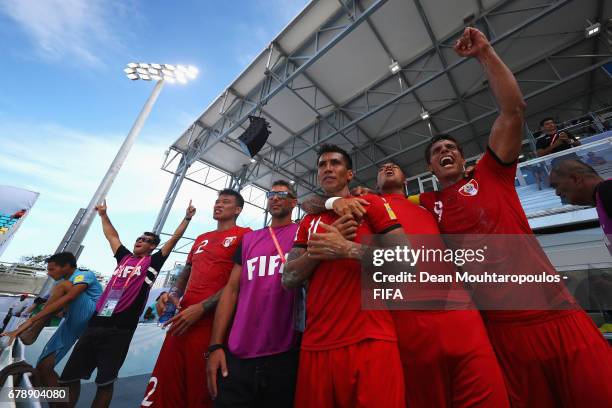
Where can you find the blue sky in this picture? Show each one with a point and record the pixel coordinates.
(65, 105)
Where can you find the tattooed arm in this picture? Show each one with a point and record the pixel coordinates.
(298, 269)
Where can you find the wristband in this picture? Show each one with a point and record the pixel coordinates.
(187, 218)
(329, 203)
(212, 348)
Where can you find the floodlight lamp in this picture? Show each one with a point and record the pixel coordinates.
(145, 77)
(167, 73)
(181, 78)
(592, 30)
(395, 67)
(153, 71)
(170, 67)
(181, 68)
(129, 70)
(425, 115)
(143, 65)
(132, 65)
(133, 77)
(156, 77)
(142, 71)
(292, 182)
(253, 161)
(156, 66)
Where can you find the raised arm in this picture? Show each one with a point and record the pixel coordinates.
(507, 132)
(299, 267)
(223, 319)
(180, 230)
(111, 234)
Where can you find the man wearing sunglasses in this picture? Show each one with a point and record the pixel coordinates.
(105, 342)
(256, 317)
(179, 376)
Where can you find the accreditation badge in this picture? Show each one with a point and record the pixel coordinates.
(114, 295)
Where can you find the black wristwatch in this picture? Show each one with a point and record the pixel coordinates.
(212, 348)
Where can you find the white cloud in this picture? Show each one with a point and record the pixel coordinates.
(78, 30)
(66, 165)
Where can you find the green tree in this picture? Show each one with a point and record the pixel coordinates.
(34, 260)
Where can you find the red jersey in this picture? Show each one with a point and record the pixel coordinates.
(488, 204)
(333, 302)
(211, 259)
(422, 231)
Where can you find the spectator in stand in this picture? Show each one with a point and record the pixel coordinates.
(553, 141)
(77, 292)
(105, 342)
(19, 214)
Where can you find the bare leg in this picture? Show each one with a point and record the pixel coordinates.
(104, 395)
(30, 335)
(46, 373)
(74, 390)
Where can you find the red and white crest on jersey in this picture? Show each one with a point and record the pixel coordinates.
(469, 189)
(228, 241)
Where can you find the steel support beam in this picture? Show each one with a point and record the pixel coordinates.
(553, 7)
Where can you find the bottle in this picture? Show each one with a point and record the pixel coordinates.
(168, 313)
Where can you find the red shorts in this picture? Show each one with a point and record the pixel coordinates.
(365, 374)
(560, 361)
(179, 376)
(448, 360)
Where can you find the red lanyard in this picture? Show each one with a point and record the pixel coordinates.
(130, 275)
(276, 244)
(554, 138)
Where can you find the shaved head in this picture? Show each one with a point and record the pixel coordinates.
(575, 181)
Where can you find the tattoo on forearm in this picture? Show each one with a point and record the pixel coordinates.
(314, 204)
(212, 301)
(182, 279)
(291, 278)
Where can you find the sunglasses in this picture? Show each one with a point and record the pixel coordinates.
(279, 194)
(146, 239)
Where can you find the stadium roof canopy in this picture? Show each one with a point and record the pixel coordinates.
(327, 77)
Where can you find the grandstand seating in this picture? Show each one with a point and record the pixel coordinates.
(6, 222)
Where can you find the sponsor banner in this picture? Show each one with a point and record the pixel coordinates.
(484, 272)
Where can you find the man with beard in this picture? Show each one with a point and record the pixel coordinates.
(258, 367)
(349, 356)
(179, 376)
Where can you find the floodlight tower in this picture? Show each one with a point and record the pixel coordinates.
(77, 231)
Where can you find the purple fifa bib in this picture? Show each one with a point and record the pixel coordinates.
(264, 323)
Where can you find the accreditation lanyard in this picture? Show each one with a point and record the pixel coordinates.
(277, 245)
(114, 295)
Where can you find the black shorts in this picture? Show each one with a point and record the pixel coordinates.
(104, 348)
(258, 382)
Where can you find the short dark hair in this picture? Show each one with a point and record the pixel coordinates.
(332, 148)
(437, 138)
(546, 119)
(235, 194)
(391, 161)
(571, 166)
(289, 186)
(62, 259)
(156, 239)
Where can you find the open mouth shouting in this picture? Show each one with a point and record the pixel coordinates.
(447, 161)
